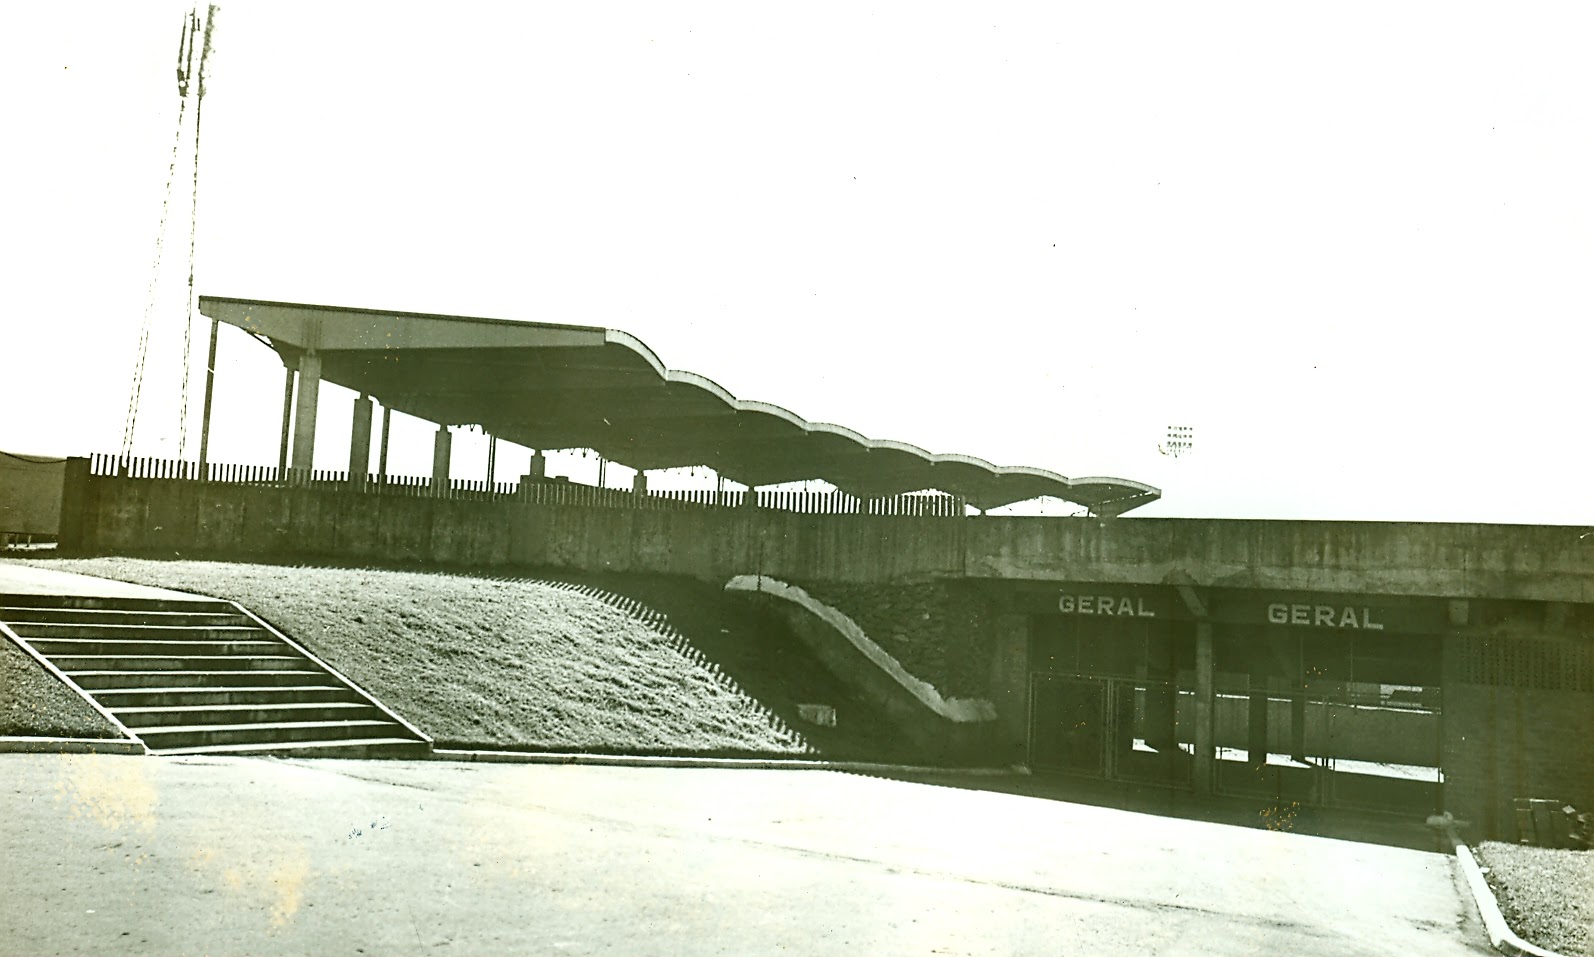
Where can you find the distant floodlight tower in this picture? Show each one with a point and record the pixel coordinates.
(1180, 441)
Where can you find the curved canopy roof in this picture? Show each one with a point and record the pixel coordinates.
(549, 386)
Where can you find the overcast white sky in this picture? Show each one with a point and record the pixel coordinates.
(1349, 244)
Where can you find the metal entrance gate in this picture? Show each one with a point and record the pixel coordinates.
(1121, 729)
(1378, 750)
(1375, 751)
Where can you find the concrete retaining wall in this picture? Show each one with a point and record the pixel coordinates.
(30, 495)
(1545, 563)
(711, 545)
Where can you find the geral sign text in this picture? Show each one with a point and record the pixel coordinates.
(1324, 616)
(1104, 605)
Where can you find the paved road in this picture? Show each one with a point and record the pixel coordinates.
(120, 855)
(17, 579)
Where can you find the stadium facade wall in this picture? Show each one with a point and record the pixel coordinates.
(1503, 743)
(1518, 714)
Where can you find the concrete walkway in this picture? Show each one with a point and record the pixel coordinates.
(17, 579)
(231, 855)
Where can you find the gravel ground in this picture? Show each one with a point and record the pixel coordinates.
(1546, 895)
(34, 702)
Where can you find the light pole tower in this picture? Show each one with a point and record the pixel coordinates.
(1179, 441)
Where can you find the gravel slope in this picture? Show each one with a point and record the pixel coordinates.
(1546, 895)
(490, 660)
(34, 702)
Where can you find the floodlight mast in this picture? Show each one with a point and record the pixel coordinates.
(193, 231)
(1180, 440)
(193, 54)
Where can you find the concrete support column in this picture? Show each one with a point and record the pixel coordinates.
(70, 536)
(1009, 682)
(381, 461)
(1298, 722)
(1256, 724)
(1205, 707)
(639, 482)
(304, 419)
(360, 442)
(287, 417)
(1162, 700)
(442, 456)
(210, 392)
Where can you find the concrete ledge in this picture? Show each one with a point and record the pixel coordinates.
(1500, 935)
(649, 761)
(22, 745)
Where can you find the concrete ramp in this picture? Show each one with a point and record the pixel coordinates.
(954, 730)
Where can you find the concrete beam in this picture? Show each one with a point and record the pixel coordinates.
(1527, 562)
(301, 324)
(1192, 600)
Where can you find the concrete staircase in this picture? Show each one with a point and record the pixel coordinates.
(203, 676)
